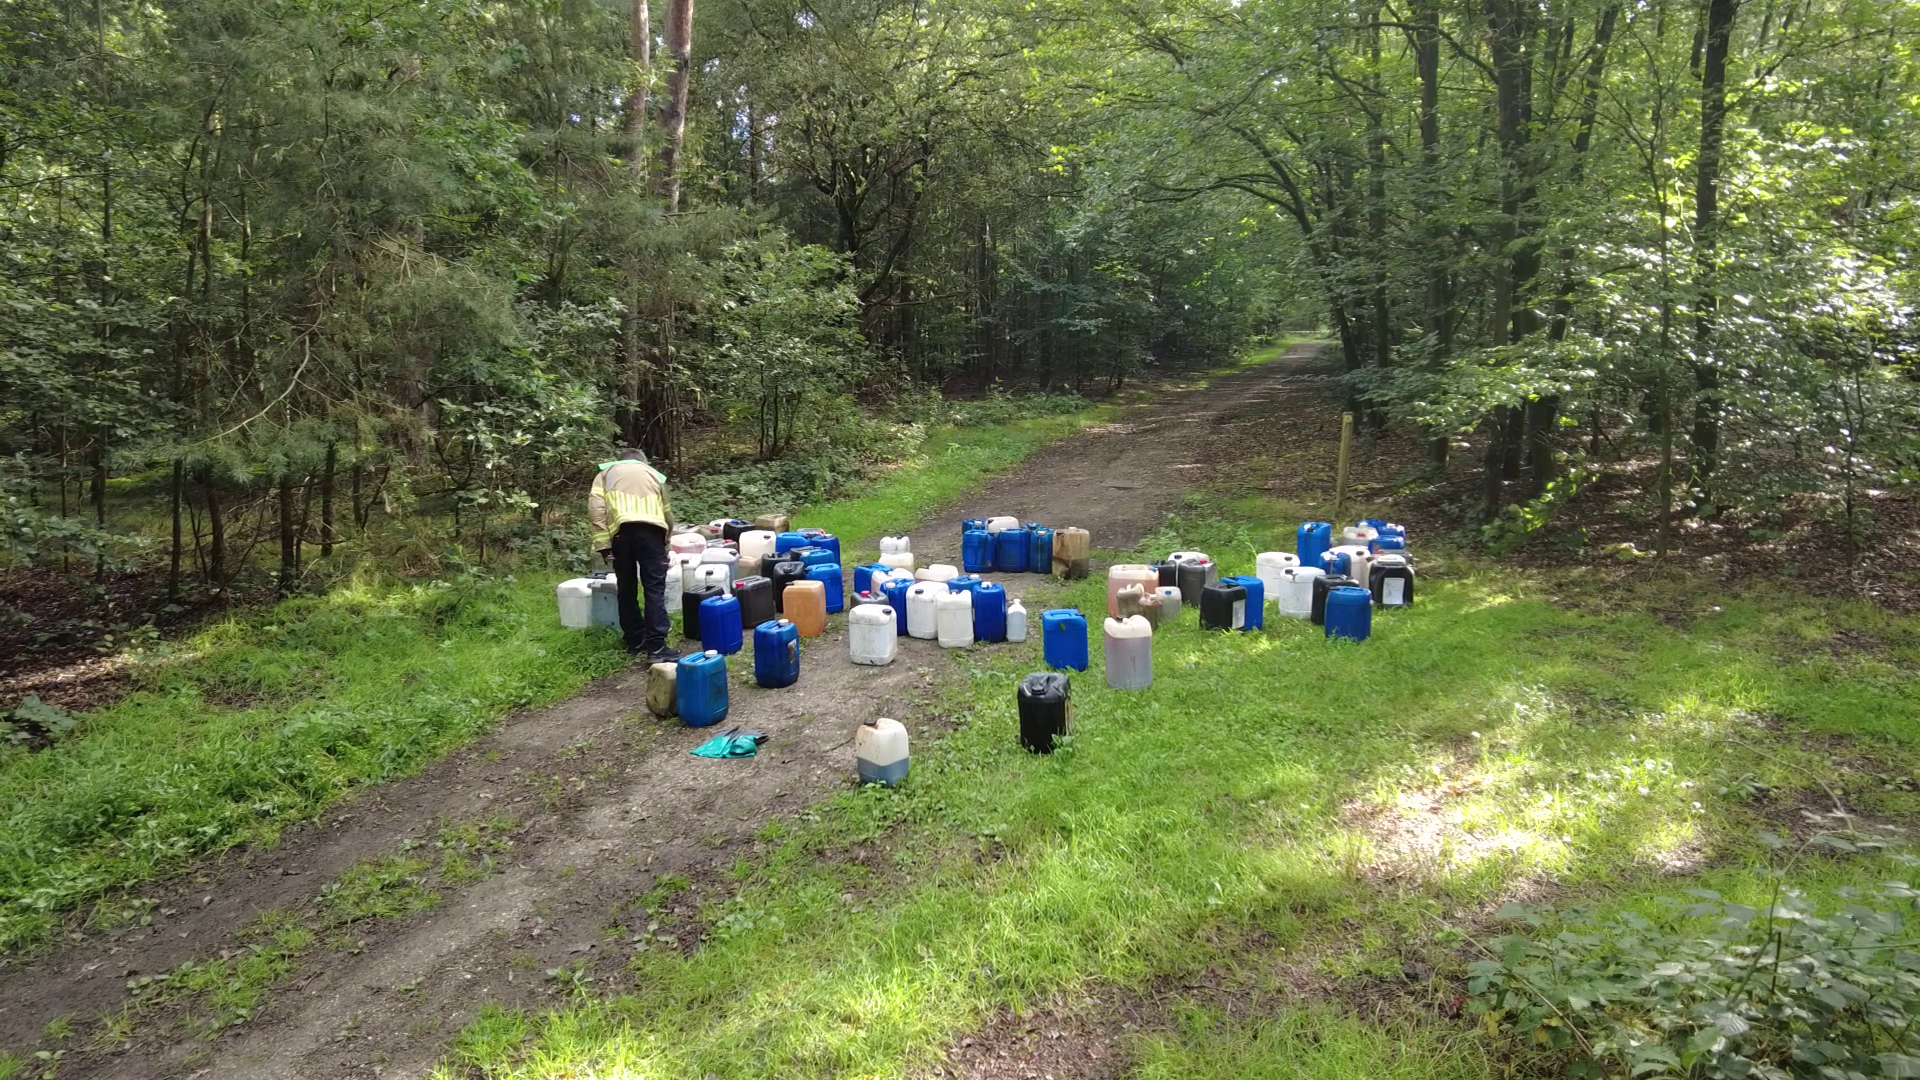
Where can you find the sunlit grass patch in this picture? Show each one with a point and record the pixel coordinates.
(1307, 1043)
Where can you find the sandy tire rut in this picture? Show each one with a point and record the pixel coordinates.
(606, 799)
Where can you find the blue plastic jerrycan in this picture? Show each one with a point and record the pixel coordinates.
(1256, 617)
(776, 654)
(976, 551)
(1063, 637)
(1011, 549)
(828, 574)
(720, 625)
(1039, 549)
(896, 593)
(1314, 538)
(989, 612)
(700, 689)
(1349, 613)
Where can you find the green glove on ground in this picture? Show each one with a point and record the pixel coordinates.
(730, 745)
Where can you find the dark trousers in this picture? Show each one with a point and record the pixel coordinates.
(640, 564)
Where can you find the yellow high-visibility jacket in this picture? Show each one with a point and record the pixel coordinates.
(626, 491)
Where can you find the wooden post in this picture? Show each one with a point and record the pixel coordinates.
(1340, 484)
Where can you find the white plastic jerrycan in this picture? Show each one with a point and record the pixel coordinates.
(880, 752)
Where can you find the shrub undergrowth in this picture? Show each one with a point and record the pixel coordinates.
(1706, 987)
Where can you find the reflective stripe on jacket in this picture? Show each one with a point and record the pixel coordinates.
(625, 491)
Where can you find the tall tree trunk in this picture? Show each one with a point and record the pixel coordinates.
(1718, 30)
(174, 553)
(1377, 230)
(104, 329)
(638, 401)
(1439, 298)
(1513, 441)
(640, 44)
(673, 119)
(97, 480)
(360, 513)
(982, 305)
(755, 169)
(1545, 416)
(326, 500)
(1512, 317)
(66, 468)
(216, 536)
(1543, 419)
(289, 551)
(97, 486)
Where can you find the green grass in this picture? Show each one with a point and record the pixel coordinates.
(1312, 1043)
(1266, 354)
(221, 992)
(268, 716)
(1275, 801)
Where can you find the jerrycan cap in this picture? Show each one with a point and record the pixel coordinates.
(712, 652)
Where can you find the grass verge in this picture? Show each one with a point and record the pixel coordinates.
(1276, 812)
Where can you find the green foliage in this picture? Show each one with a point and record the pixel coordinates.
(1311, 1043)
(29, 533)
(1522, 522)
(1713, 988)
(32, 719)
(361, 279)
(996, 406)
(937, 444)
(1490, 224)
(785, 342)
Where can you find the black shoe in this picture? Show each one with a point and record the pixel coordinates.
(665, 654)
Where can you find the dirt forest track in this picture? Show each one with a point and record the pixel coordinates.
(605, 799)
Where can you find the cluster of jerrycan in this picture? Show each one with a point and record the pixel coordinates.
(1007, 545)
(766, 584)
(1369, 568)
(785, 583)
(1337, 585)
